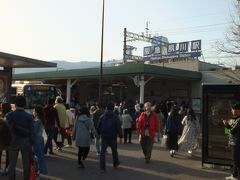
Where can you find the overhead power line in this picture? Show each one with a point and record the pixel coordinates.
(192, 27)
(220, 57)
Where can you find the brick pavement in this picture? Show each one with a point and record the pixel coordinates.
(162, 167)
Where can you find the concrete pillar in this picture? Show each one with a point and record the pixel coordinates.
(142, 84)
(68, 96)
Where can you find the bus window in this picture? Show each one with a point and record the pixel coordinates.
(35, 94)
(38, 94)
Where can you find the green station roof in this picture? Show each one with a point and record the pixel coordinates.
(121, 70)
(15, 61)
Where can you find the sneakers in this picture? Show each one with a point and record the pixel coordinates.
(189, 151)
(116, 165)
(81, 165)
(68, 146)
(172, 152)
(231, 178)
(46, 155)
(58, 149)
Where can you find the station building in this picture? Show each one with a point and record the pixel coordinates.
(173, 80)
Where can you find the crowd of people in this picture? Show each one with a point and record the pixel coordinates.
(34, 134)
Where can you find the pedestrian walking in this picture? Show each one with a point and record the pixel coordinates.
(62, 116)
(51, 125)
(234, 141)
(21, 125)
(173, 130)
(81, 134)
(160, 118)
(127, 126)
(38, 147)
(147, 126)
(109, 128)
(191, 130)
(6, 137)
(96, 118)
(69, 125)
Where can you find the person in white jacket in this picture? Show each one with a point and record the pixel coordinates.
(69, 125)
(127, 126)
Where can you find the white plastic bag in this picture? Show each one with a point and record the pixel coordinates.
(164, 141)
(44, 135)
(59, 138)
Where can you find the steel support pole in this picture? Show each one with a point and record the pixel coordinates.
(101, 62)
(68, 97)
(142, 84)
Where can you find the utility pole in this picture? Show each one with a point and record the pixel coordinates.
(125, 46)
(147, 28)
(101, 62)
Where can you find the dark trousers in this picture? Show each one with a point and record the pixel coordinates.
(147, 145)
(50, 130)
(127, 134)
(82, 153)
(236, 161)
(112, 143)
(69, 138)
(7, 159)
(13, 157)
(172, 141)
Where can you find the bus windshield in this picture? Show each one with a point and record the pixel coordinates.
(35, 94)
(38, 94)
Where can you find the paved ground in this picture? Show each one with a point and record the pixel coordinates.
(162, 167)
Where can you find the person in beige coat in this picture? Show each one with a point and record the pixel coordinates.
(127, 126)
(62, 116)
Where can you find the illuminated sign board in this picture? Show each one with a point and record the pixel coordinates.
(173, 50)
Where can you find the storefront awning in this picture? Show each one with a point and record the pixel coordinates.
(15, 61)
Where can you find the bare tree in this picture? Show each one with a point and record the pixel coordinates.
(231, 44)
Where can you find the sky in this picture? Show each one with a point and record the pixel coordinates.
(70, 30)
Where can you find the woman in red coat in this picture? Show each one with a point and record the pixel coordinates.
(147, 126)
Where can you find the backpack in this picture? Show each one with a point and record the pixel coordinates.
(108, 126)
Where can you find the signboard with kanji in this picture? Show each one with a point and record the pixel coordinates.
(173, 50)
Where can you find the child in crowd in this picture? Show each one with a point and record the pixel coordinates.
(38, 147)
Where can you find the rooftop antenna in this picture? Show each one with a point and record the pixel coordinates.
(147, 28)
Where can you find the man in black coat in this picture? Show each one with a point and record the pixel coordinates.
(21, 125)
(234, 140)
(109, 129)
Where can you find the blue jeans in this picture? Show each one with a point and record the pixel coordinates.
(236, 161)
(98, 145)
(38, 150)
(50, 130)
(113, 144)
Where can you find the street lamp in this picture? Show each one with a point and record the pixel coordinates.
(101, 62)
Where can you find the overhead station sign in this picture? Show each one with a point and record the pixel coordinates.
(173, 50)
